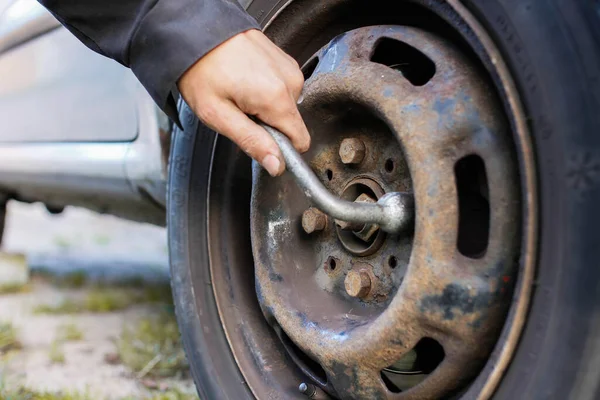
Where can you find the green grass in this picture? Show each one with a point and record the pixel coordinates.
(152, 347)
(108, 299)
(68, 333)
(13, 288)
(75, 279)
(64, 333)
(8, 338)
(67, 306)
(79, 278)
(72, 280)
(56, 353)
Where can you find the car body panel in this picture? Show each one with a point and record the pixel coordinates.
(53, 88)
(23, 20)
(76, 128)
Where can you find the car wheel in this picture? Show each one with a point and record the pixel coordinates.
(486, 111)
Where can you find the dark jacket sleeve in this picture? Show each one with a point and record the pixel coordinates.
(158, 39)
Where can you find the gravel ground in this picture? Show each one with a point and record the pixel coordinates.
(78, 240)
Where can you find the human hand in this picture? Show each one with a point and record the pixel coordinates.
(249, 75)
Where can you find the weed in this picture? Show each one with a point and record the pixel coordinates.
(67, 306)
(13, 288)
(105, 299)
(56, 353)
(75, 279)
(152, 347)
(68, 333)
(8, 338)
(96, 301)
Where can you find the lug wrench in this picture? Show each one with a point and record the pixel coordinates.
(393, 212)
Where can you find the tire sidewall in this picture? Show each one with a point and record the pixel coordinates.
(553, 56)
(212, 364)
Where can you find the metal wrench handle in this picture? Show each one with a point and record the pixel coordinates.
(393, 212)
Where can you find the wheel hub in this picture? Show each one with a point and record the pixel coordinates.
(361, 239)
(363, 304)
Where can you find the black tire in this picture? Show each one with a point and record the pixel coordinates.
(552, 48)
(2, 219)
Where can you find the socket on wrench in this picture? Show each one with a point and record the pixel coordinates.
(393, 212)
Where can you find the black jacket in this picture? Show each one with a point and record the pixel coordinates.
(158, 39)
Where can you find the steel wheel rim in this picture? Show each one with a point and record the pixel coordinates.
(521, 288)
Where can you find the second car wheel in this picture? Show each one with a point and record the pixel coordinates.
(485, 111)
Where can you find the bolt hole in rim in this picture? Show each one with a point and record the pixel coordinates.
(329, 174)
(415, 66)
(332, 264)
(389, 165)
(343, 268)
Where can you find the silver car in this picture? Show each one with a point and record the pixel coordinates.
(77, 128)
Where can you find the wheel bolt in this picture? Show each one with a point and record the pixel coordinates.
(349, 226)
(358, 283)
(352, 151)
(313, 220)
(362, 231)
(307, 389)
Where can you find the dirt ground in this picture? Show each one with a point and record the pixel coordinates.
(94, 246)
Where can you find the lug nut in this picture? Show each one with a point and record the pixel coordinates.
(349, 226)
(313, 220)
(367, 231)
(352, 151)
(357, 283)
(365, 198)
(355, 226)
(361, 231)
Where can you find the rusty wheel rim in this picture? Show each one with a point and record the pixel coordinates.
(455, 296)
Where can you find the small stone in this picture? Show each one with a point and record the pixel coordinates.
(150, 383)
(112, 358)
